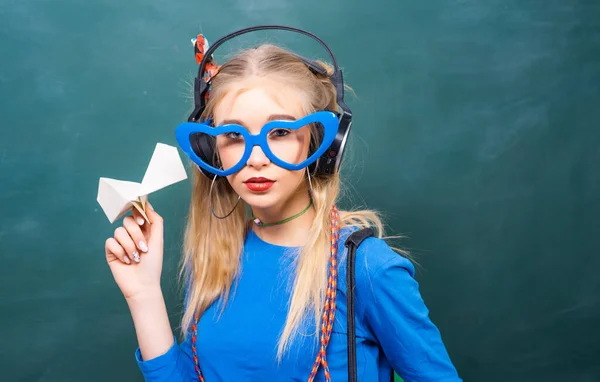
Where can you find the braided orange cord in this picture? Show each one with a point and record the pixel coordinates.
(328, 316)
(194, 352)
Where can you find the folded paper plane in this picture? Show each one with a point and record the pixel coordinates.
(117, 197)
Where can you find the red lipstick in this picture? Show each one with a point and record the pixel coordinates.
(259, 184)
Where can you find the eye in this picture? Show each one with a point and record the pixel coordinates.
(279, 132)
(233, 135)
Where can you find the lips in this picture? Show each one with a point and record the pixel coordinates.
(259, 184)
(258, 180)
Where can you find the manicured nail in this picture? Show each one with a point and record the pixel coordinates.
(126, 259)
(140, 221)
(136, 257)
(143, 246)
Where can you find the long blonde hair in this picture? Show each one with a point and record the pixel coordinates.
(212, 247)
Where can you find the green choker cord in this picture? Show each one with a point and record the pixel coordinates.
(261, 224)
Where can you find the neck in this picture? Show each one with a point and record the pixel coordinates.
(292, 233)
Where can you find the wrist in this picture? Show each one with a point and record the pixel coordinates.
(151, 321)
(145, 296)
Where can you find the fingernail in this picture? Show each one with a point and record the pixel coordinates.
(143, 246)
(140, 221)
(136, 257)
(126, 259)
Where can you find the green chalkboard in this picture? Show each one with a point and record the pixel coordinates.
(476, 130)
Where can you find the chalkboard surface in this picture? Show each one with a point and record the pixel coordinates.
(476, 131)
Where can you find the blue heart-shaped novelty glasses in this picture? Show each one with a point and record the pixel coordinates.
(229, 146)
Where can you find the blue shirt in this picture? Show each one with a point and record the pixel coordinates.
(239, 342)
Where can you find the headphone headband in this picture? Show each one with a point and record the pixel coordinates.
(201, 86)
(240, 32)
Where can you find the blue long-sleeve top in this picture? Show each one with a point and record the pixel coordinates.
(239, 342)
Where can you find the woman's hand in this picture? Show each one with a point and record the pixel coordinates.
(135, 254)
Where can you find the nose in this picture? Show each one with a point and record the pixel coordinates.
(257, 158)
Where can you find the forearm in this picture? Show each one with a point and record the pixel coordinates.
(151, 322)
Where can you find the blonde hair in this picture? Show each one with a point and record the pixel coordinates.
(212, 247)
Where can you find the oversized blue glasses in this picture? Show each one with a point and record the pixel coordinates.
(224, 150)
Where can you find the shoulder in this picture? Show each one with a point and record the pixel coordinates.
(375, 256)
(379, 271)
(384, 282)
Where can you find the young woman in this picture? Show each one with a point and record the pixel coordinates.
(264, 258)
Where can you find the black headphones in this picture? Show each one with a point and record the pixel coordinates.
(330, 161)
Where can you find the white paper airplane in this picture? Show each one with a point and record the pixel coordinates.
(117, 197)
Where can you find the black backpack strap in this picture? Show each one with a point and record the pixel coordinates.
(352, 243)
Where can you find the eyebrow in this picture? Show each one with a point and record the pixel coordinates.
(272, 117)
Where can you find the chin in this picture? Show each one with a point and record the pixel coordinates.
(262, 201)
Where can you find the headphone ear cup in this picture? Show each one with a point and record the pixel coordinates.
(203, 146)
(329, 163)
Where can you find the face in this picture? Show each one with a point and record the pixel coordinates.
(261, 183)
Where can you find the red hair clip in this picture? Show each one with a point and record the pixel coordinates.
(200, 47)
